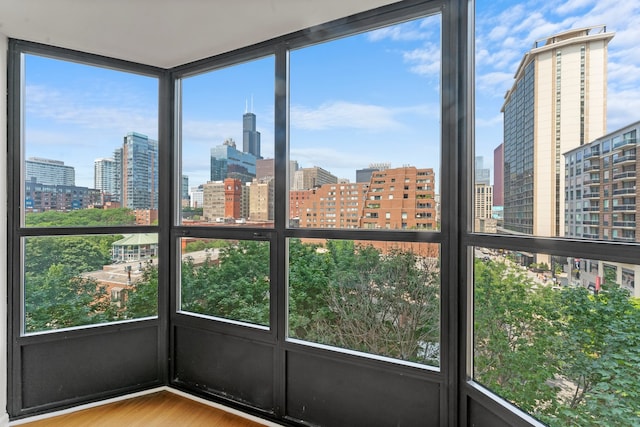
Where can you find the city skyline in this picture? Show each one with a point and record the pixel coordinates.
(62, 122)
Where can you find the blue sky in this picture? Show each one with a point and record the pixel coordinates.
(368, 98)
(505, 30)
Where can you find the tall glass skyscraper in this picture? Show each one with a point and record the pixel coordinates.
(250, 136)
(137, 166)
(228, 162)
(105, 175)
(51, 172)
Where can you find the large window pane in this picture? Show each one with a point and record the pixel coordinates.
(365, 130)
(90, 149)
(381, 298)
(73, 281)
(226, 278)
(227, 146)
(559, 338)
(556, 123)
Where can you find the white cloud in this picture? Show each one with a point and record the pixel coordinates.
(53, 139)
(495, 120)
(494, 84)
(503, 36)
(425, 60)
(423, 29)
(211, 132)
(78, 110)
(342, 114)
(326, 157)
(498, 32)
(623, 108)
(396, 33)
(573, 6)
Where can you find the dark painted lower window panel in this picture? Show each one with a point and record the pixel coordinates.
(327, 392)
(230, 367)
(60, 373)
(480, 416)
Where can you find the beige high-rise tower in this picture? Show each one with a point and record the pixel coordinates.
(557, 103)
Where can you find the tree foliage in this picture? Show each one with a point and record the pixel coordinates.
(568, 357)
(599, 358)
(385, 304)
(81, 218)
(236, 286)
(61, 299)
(57, 295)
(512, 330)
(202, 244)
(142, 299)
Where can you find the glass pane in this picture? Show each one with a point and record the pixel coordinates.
(73, 281)
(90, 146)
(381, 298)
(365, 130)
(571, 323)
(227, 146)
(554, 120)
(226, 278)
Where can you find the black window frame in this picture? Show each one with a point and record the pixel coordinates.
(462, 401)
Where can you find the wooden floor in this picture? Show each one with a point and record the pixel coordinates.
(162, 409)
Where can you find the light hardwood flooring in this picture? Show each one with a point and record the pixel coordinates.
(162, 409)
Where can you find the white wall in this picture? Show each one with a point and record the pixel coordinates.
(4, 418)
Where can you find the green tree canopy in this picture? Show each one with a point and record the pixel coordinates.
(81, 218)
(568, 357)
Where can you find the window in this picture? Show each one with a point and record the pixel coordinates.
(226, 279)
(358, 283)
(559, 315)
(353, 292)
(227, 146)
(554, 151)
(91, 161)
(368, 114)
(546, 285)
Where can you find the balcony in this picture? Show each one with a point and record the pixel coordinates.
(591, 222)
(591, 236)
(595, 167)
(592, 154)
(624, 239)
(621, 191)
(591, 209)
(625, 224)
(589, 181)
(627, 207)
(593, 195)
(625, 176)
(625, 159)
(625, 143)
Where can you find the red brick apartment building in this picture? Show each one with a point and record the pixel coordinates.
(400, 198)
(330, 205)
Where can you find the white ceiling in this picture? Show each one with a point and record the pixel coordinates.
(166, 33)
